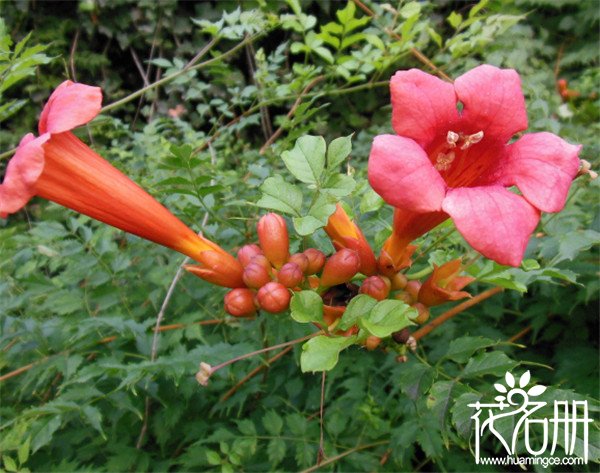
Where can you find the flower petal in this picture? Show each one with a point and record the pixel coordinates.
(70, 106)
(423, 106)
(22, 173)
(493, 102)
(494, 221)
(542, 166)
(401, 173)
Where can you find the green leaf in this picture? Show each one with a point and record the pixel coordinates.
(338, 150)
(359, 307)
(280, 195)
(306, 307)
(370, 201)
(339, 185)
(306, 160)
(23, 452)
(94, 418)
(387, 317)
(455, 19)
(9, 463)
(44, 435)
(213, 458)
(461, 349)
(322, 353)
(276, 451)
(410, 9)
(415, 379)
(272, 422)
(461, 413)
(494, 362)
(307, 225)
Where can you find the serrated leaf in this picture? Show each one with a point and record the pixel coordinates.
(23, 452)
(339, 185)
(306, 160)
(280, 195)
(461, 413)
(461, 349)
(415, 379)
(321, 353)
(276, 451)
(9, 463)
(306, 307)
(213, 458)
(494, 362)
(359, 307)
(272, 422)
(386, 317)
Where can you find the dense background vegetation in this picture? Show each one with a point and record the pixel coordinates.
(81, 387)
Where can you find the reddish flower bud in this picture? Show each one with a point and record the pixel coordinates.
(240, 302)
(316, 260)
(274, 297)
(444, 284)
(274, 240)
(301, 260)
(255, 275)
(399, 281)
(423, 313)
(332, 313)
(372, 342)
(340, 268)
(344, 233)
(247, 252)
(378, 287)
(412, 288)
(263, 261)
(405, 297)
(290, 275)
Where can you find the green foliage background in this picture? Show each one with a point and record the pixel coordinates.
(67, 282)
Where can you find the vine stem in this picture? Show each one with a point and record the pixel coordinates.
(425, 329)
(255, 371)
(216, 368)
(344, 454)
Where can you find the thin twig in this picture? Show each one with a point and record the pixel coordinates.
(520, 334)
(425, 329)
(216, 368)
(72, 55)
(321, 452)
(254, 372)
(138, 65)
(290, 114)
(345, 454)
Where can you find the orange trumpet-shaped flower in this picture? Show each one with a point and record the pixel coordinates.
(396, 252)
(59, 167)
(444, 284)
(344, 233)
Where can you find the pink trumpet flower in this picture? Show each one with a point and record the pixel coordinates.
(59, 167)
(448, 162)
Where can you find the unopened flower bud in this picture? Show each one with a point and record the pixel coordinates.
(247, 252)
(316, 260)
(240, 302)
(301, 260)
(262, 261)
(290, 275)
(372, 342)
(255, 275)
(274, 240)
(405, 297)
(273, 297)
(423, 313)
(340, 268)
(378, 287)
(401, 336)
(399, 281)
(412, 288)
